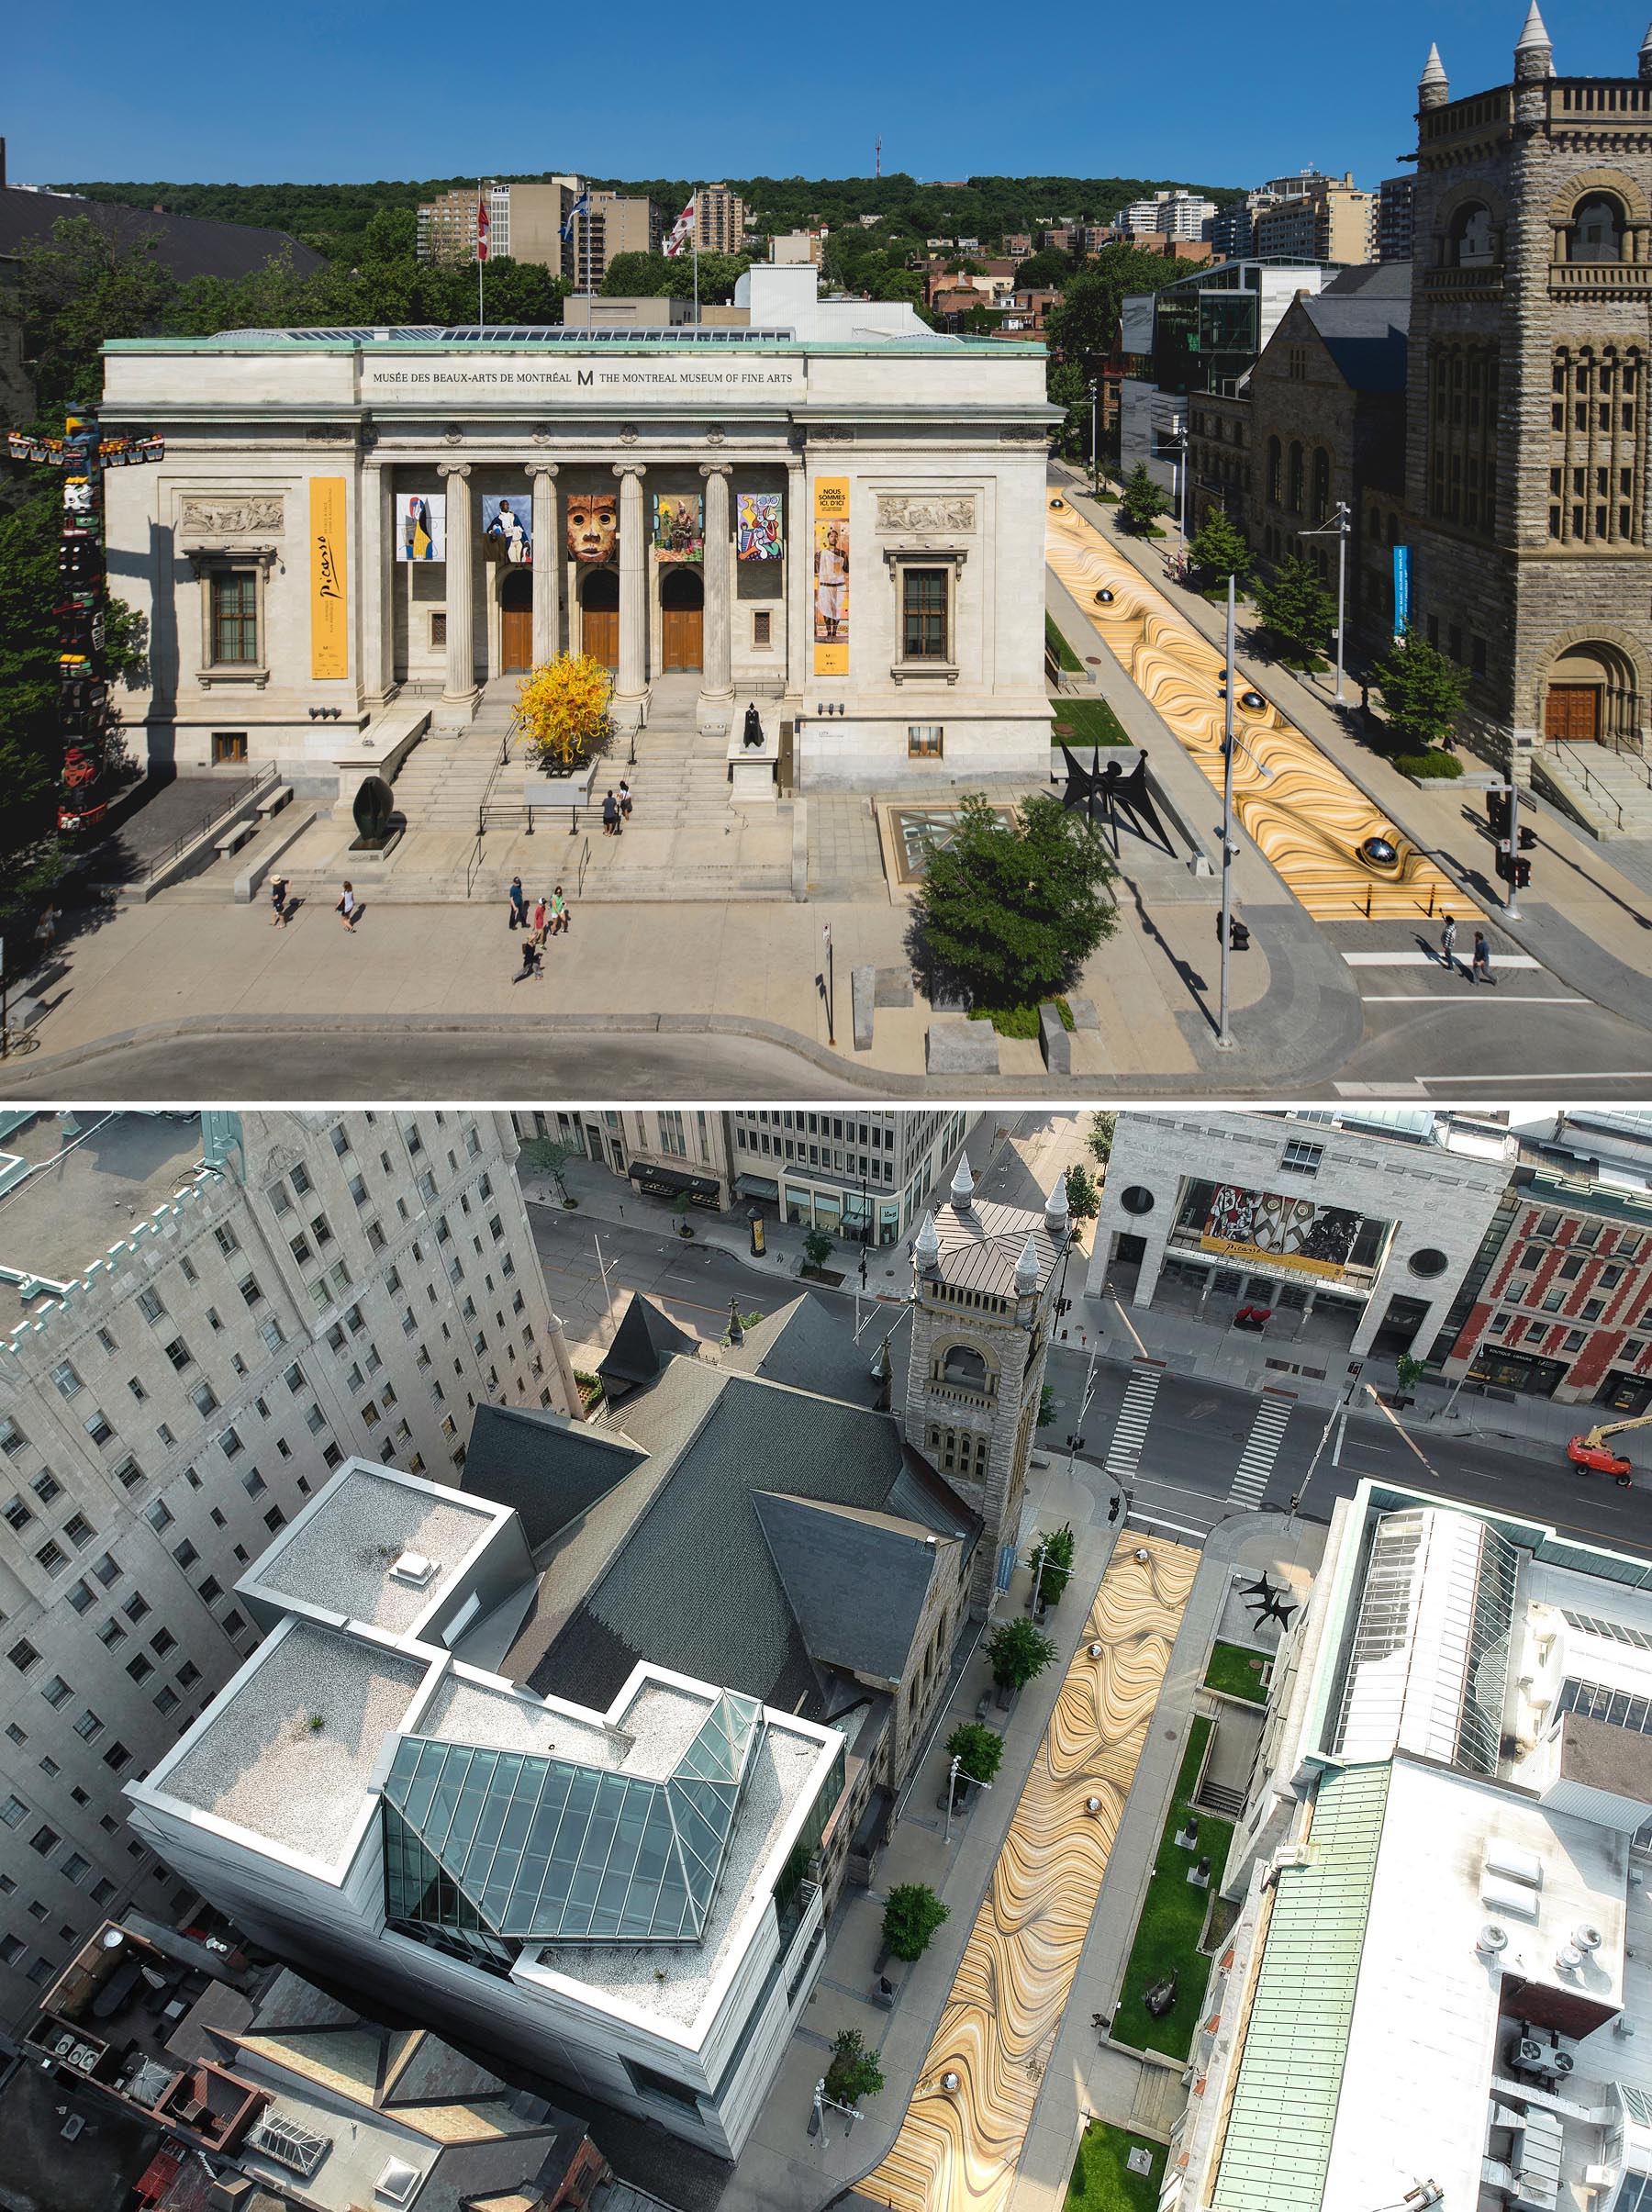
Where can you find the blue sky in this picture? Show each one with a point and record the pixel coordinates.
(319, 90)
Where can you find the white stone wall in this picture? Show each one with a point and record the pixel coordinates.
(1436, 1198)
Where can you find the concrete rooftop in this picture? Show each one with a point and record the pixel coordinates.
(339, 1554)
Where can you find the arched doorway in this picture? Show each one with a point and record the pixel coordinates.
(682, 618)
(515, 621)
(1592, 697)
(599, 616)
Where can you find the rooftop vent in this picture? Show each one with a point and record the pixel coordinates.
(413, 1568)
(290, 2143)
(1587, 1936)
(1514, 1864)
(397, 2184)
(1492, 1940)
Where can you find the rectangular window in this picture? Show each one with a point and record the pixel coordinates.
(79, 1531)
(1302, 1157)
(761, 628)
(234, 617)
(925, 740)
(53, 1557)
(923, 614)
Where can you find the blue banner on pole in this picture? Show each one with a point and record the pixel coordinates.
(1401, 588)
(1006, 1567)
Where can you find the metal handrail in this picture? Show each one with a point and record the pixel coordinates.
(1590, 783)
(268, 774)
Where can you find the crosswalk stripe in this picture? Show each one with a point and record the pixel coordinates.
(1261, 1449)
(1421, 959)
(1130, 1431)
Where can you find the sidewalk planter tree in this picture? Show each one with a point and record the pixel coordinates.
(564, 706)
(1057, 1569)
(1218, 547)
(1018, 1651)
(1083, 1199)
(546, 1156)
(1422, 691)
(1298, 611)
(1100, 1140)
(817, 1248)
(912, 1912)
(853, 2073)
(1013, 906)
(1142, 501)
(979, 1751)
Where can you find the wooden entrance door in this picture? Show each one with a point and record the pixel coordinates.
(515, 624)
(682, 619)
(599, 616)
(1573, 713)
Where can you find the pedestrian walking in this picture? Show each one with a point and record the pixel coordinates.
(1448, 943)
(519, 903)
(559, 912)
(349, 907)
(1481, 970)
(540, 920)
(611, 816)
(625, 800)
(46, 928)
(531, 961)
(278, 902)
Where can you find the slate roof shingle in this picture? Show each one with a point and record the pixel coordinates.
(188, 245)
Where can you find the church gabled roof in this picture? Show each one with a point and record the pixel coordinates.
(857, 1581)
(645, 1339)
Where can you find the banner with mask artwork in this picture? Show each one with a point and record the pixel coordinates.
(593, 527)
(757, 526)
(508, 527)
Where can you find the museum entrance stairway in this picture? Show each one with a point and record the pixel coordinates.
(1608, 793)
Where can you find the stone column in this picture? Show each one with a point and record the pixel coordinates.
(630, 693)
(376, 661)
(459, 692)
(717, 682)
(800, 570)
(547, 560)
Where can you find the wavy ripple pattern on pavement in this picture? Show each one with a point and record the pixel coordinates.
(1298, 808)
(957, 2152)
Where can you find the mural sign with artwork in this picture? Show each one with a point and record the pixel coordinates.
(679, 529)
(757, 526)
(832, 575)
(421, 526)
(1240, 1224)
(593, 527)
(507, 528)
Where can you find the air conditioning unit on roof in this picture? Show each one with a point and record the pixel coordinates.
(413, 1567)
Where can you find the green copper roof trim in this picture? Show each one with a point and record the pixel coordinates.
(1277, 2151)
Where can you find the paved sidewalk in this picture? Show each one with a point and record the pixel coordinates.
(1588, 924)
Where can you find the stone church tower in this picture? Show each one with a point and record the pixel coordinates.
(984, 1289)
(1526, 406)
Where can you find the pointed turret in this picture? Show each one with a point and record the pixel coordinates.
(1534, 52)
(1026, 1270)
(926, 1246)
(1645, 56)
(1056, 1208)
(1434, 87)
(963, 1185)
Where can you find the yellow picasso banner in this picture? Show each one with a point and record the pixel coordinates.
(329, 605)
(832, 575)
(1228, 1248)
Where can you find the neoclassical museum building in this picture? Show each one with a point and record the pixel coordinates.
(827, 509)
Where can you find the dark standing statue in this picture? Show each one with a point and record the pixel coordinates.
(753, 733)
(373, 809)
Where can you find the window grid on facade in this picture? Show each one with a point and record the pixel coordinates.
(234, 617)
(1462, 436)
(1595, 469)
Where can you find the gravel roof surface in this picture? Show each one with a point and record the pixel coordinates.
(341, 1558)
(468, 1713)
(262, 1765)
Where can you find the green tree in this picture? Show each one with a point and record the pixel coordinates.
(1068, 388)
(1083, 1199)
(659, 276)
(680, 1206)
(391, 235)
(853, 2073)
(1142, 501)
(1409, 1370)
(1015, 905)
(911, 1915)
(1018, 1651)
(1423, 690)
(1102, 1129)
(817, 1248)
(1046, 1404)
(1057, 1546)
(1218, 547)
(546, 1155)
(1297, 610)
(1046, 270)
(72, 291)
(979, 1750)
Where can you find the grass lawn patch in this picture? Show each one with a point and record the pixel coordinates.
(1238, 1672)
(1173, 1918)
(1086, 722)
(1019, 1020)
(1103, 2181)
(1055, 638)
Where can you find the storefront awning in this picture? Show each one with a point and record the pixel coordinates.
(758, 1186)
(670, 1182)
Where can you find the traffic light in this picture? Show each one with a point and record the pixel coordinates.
(1505, 866)
(1522, 874)
(1497, 812)
(1113, 1504)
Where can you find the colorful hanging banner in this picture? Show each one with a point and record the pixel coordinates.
(757, 526)
(832, 575)
(329, 605)
(679, 528)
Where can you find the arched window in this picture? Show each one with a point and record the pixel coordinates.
(1295, 500)
(966, 1369)
(1275, 456)
(1596, 231)
(1322, 484)
(1469, 241)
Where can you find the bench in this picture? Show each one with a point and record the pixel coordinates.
(235, 837)
(271, 804)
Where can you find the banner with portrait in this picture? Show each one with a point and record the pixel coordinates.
(832, 575)
(1241, 1224)
(329, 603)
(679, 527)
(421, 526)
(757, 526)
(508, 527)
(593, 527)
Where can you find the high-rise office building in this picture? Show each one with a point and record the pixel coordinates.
(719, 218)
(525, 223)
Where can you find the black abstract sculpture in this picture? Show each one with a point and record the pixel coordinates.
(1114, 791)
(1160, 1997)
(372, 807)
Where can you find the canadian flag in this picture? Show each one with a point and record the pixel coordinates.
(481, 225)
(679, 231)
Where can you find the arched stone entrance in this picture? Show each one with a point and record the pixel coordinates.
(600, 616)
(1592, 697)
(515, 621)
(682, 618)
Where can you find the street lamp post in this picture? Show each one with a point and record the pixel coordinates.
(1340, 527)
(831, 988)
(952, 1785)
(1338, 1416)
(1095, 448)
(820, 2104)
(1224, 1035)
